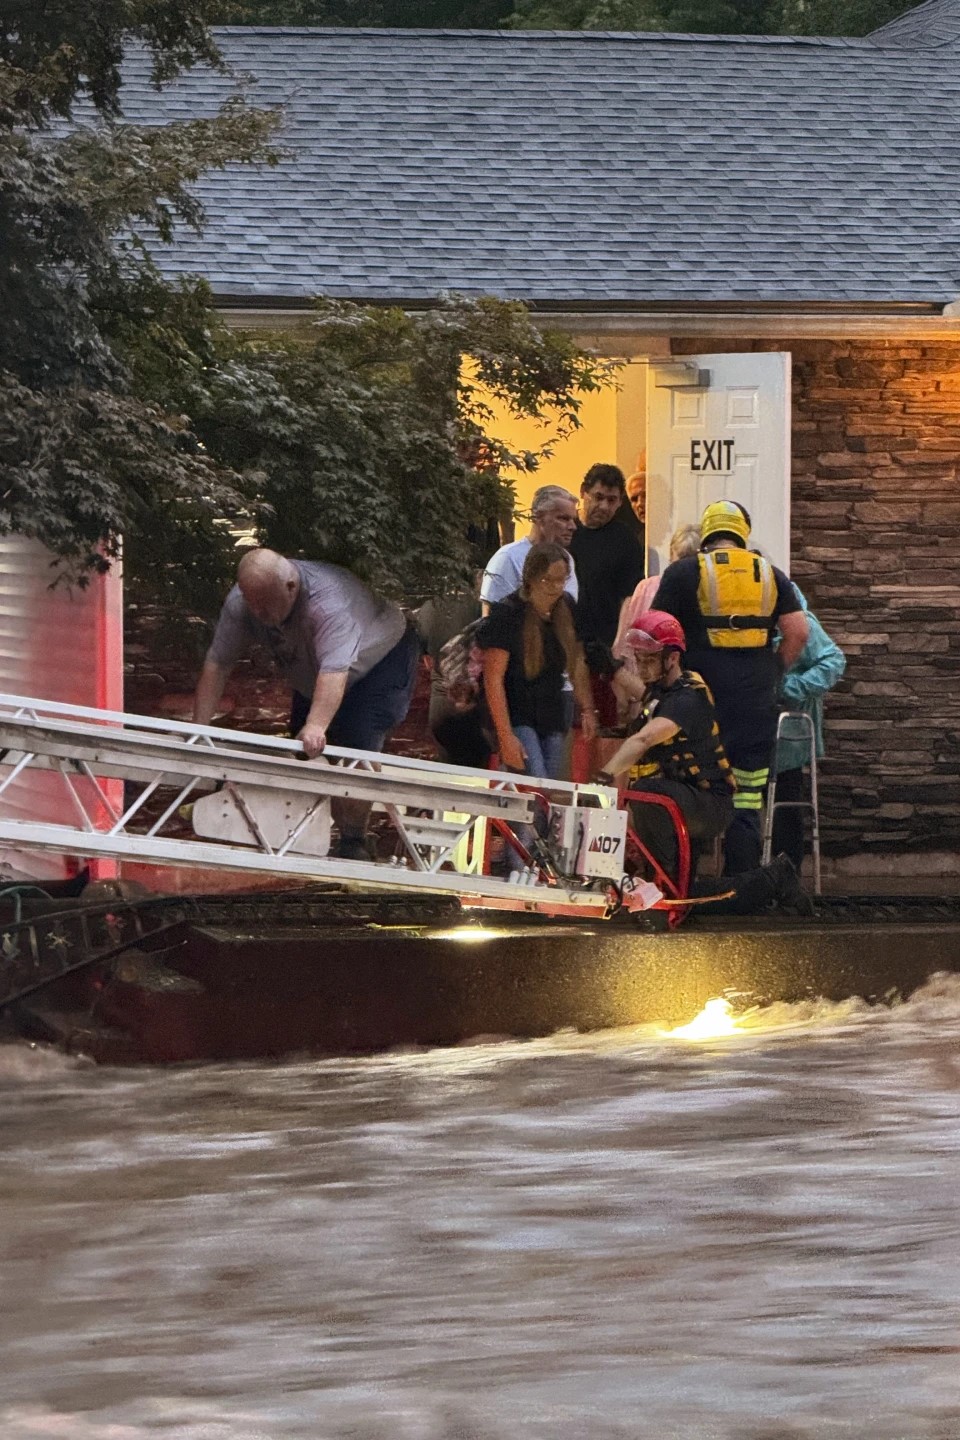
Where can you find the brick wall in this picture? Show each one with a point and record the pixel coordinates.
(876, 548)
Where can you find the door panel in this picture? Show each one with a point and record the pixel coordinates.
(726, 439)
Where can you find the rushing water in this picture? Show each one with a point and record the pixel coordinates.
(610, 1236)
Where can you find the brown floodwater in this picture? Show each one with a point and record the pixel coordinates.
(625, 1235)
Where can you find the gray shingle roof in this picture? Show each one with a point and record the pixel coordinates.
(581, 168)
(935, 23)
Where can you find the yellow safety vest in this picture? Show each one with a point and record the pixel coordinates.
(737, 594)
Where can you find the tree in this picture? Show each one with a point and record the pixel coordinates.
(740, 17)
(372, 441)
(367, 443)
(51, 54)
(419, 14)
(128, 411)
(83, 459)
(716, 17)
(839, 17)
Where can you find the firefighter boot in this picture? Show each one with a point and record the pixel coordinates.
(785, 886)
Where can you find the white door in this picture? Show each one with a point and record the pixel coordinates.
(718, 428)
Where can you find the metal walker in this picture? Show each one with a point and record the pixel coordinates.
(798, 726)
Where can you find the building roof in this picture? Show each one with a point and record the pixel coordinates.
(935, 23)
(584, 169)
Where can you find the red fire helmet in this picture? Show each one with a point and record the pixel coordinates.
(656, 631)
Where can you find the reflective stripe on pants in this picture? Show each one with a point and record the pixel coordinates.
(750, 787)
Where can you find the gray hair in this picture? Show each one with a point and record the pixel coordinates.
(684, 542)
(547, 496)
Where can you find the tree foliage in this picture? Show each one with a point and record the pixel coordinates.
(715, 17)
(368, 441)
(420, 14)
(129, 413)
(54, 52)
(84, 459)
(718, 17)
(840, 17)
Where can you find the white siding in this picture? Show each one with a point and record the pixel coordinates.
(56, 644)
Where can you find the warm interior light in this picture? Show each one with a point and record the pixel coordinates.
(715, 1019)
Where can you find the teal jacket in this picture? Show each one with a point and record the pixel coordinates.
(817, 669)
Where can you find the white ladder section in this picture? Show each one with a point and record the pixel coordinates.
(256, 804)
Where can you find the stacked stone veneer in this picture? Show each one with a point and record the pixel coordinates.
(876, 548)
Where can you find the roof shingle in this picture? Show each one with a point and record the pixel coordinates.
(581, 167)
(935, 23)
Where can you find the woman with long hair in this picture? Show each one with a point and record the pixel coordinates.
(529, 646)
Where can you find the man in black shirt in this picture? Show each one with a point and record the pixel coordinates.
(609, 563)
(608, 559)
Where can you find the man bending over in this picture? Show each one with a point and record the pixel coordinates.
(350, 657)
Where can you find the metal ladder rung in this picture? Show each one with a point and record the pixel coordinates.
(440, 813)
(432, 832)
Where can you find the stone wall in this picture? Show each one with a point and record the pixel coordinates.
(876, 548)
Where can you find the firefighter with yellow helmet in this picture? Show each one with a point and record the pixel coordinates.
(731, 602)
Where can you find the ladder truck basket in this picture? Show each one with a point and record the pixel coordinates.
(674, 888)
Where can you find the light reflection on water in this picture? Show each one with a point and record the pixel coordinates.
(620, 1235)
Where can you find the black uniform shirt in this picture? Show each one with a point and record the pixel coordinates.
(610, 565)
(728, 672)
(695, 756)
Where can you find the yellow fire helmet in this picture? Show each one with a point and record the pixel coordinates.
(724, 516)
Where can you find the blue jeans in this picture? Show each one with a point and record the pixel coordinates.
(545, 759)
(375, 704)
(544, 752)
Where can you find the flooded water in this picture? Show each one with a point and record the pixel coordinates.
(614, 1236)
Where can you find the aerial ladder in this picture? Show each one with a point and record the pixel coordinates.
(203, 796)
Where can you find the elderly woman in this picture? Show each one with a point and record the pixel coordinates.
(683, 542)
(817, 669)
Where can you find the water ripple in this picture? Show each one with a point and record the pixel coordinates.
(610, 1236)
